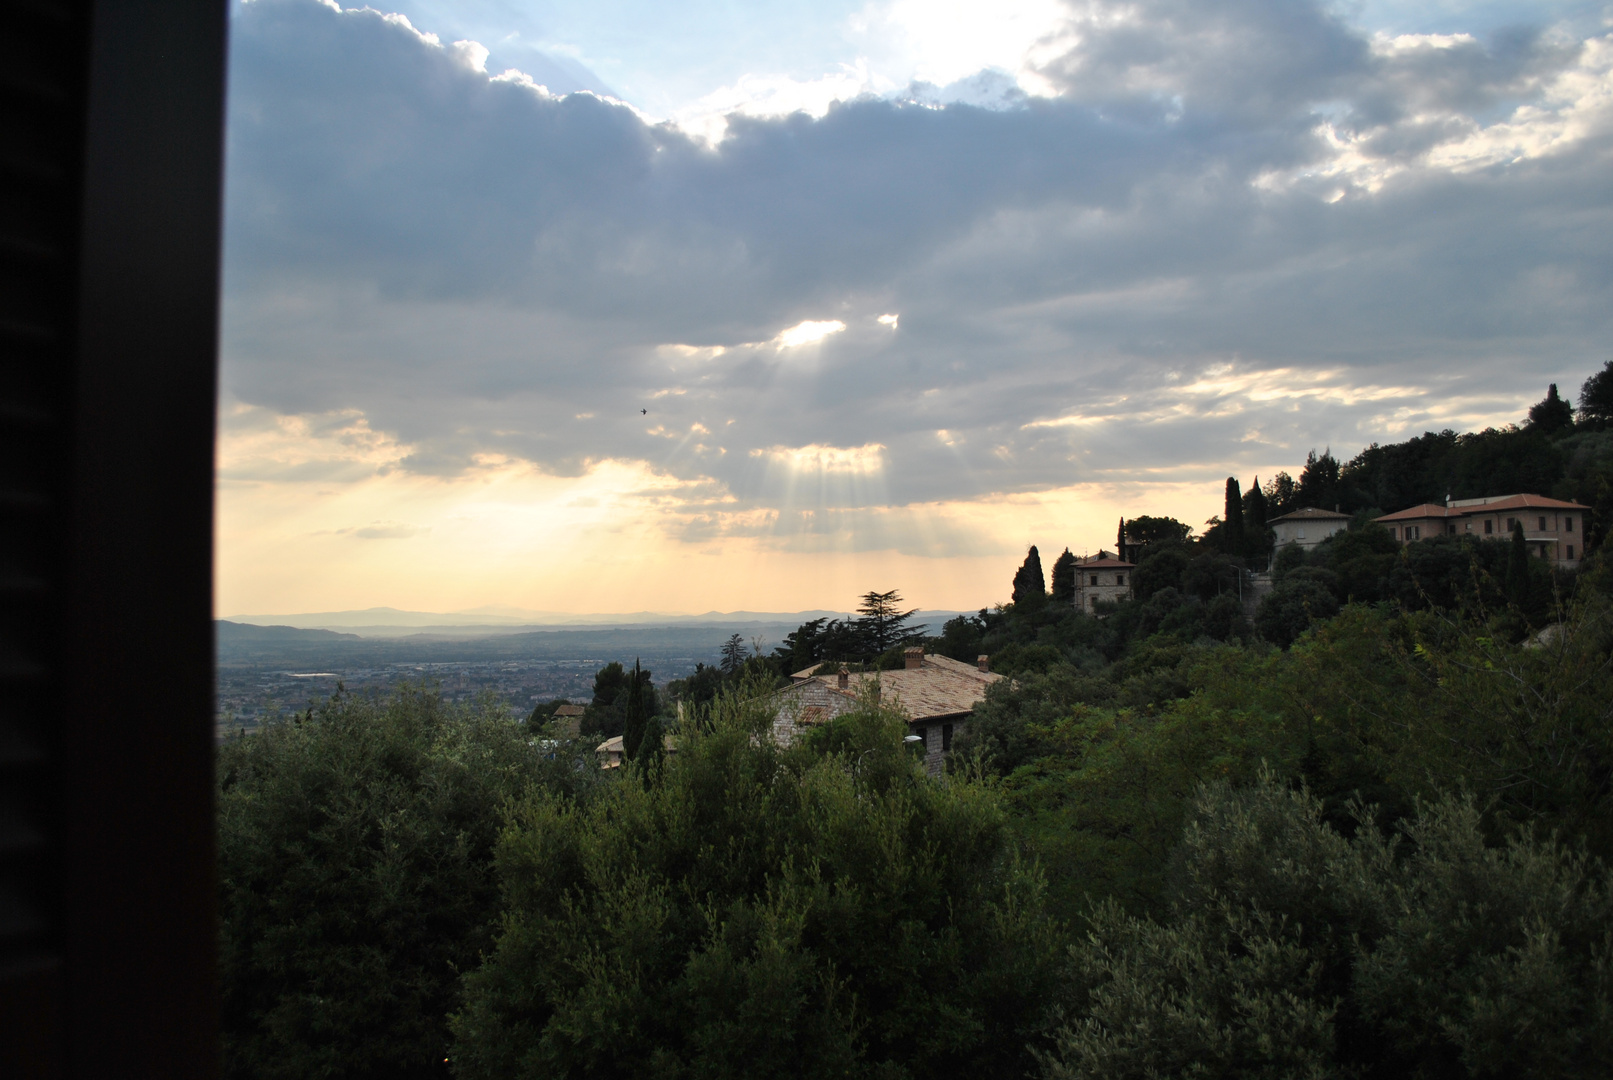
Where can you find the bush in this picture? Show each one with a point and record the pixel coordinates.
(356, 878)
(1291, 951)
(825, 910)
(1290, 608)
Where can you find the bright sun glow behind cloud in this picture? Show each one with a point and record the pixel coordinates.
(809, 332)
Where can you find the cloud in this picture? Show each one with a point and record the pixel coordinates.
(384, 530)
(1214, 236)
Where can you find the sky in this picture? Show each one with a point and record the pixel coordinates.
(629, 306)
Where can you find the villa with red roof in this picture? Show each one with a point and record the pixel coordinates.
(1552, 529)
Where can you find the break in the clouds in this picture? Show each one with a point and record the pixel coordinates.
(1168, 240)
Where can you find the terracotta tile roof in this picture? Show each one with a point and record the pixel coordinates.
(1426, 510)
(1108, 562)
(1310, 513)
(569, 710)
(943, 687)
(1510, 502)
(1521, 502)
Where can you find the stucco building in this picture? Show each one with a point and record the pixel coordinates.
(1306, 527)
(1552, 529)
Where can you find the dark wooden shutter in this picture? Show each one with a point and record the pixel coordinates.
(110, 151)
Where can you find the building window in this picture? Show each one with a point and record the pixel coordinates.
(1570, 551)
(1301, 534)
(1120, 579)
(1511, 524)
(1489, 527)
(1450, 528)
(924, 737)
(946, 738)
(1568, 526)
(1542, 524)
(1467, 526)
(1094, 579)
(1092, 601)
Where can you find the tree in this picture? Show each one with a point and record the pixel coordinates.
(1120, 538)
(1289, 950)
(1551, 413)
(1319, 482)
(604, 712)
(1030, 586)
(1254, 508)
(803, 647)
(1518, 567)
(1064, 568)
(1596, 396)
(635, 714)
(1156, 530)
(823, 910)
(1160, 567)
(883, 625)
(733, 655)
(1282, 496)
(1290, 608)
(1232, 538)
(356, 877)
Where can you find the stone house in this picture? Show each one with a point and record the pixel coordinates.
(1102, 578)
(934, 693)
(1552, 529)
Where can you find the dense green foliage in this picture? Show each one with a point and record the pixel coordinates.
(824, 910)
(357, 881)
(1288, 950)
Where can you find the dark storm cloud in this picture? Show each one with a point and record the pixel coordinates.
(483, 269)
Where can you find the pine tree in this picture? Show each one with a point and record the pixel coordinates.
(1030, 584)
(733, 655)
(1233, 518)
(883, 625)
(633, 726)
(1064, 578)
(1518, 567)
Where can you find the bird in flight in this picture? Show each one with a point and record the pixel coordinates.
(646, 412)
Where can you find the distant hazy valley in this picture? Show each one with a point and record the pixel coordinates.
(277, 664)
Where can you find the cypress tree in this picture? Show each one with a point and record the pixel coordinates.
(1120, 539)
(633, 729)
(1233, 518)
(1254, 507)
(1064, 578)
(1518, 567)
(1030, 584)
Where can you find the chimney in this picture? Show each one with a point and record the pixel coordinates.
(914, 657)
(845, 677)
(983, 662)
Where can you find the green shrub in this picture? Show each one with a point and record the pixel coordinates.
(1291, 951)
(356, 878)
(826, 910)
